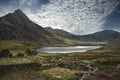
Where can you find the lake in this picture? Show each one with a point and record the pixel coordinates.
(67, 49)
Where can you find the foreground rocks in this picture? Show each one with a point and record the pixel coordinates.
(86, 71)
(113, 74)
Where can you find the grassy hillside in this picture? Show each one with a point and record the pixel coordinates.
(15, 45)
(58, 40)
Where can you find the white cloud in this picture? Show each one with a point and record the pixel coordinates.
(76, 16)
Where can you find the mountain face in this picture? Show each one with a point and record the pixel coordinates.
(109, 36)
(17, 26)
(62, 33)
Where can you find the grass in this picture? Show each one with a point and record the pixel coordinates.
(48, 74)
(78, 42)
(22, 75)
(105, 59)
(14, 45)
(25, 59)
(58, 73)
(47, 54)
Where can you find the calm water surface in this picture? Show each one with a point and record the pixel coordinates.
(67, 49)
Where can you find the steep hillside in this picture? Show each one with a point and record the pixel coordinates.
(17, 26)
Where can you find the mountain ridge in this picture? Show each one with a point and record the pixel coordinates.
(17, 26)
(62, 33)
(109, 36)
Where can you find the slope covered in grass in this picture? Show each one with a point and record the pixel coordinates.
(6, 44)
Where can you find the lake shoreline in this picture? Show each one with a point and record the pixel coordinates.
(70, 49)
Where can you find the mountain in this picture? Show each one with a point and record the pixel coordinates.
(109, 36)
(17, 26)
(62, 33)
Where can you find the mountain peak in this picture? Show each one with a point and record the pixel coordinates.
(17, 18)
(17, 26)
(18, 11)
(49, 28)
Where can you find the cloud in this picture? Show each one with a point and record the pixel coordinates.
(112, 21)
(76, 16)
(7, 6)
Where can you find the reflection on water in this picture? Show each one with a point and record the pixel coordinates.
(67, 49)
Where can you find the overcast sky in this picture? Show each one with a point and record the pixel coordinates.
(76, 16)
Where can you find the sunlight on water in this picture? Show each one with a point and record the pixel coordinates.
(67, 49)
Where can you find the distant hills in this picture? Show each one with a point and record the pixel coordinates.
(17, 26)
(109, 36)
(62, 33)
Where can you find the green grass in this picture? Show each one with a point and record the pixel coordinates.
(58, 73)
(47, 54)
(25, 59)
(14, 45)
(105, 59)
(57, 40)
(78, 42)
(48, 74)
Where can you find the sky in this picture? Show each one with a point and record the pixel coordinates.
(75, 16)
